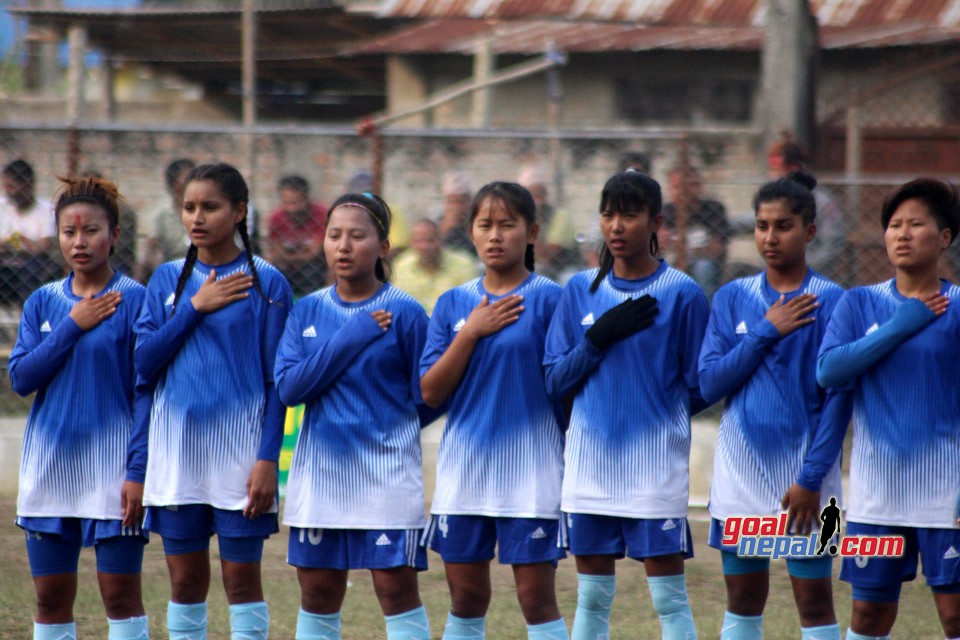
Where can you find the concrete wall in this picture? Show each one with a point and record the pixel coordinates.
(414, 162)
(589, 83)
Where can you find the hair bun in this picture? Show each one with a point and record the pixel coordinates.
(802, 177)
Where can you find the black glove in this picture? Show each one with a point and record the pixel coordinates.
(622, 321)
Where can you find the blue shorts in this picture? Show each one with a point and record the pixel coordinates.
(938, 548)
(345, 549)
(53, 545)
(474, 539)
(187, 529)
(808, 567)
(587, 534)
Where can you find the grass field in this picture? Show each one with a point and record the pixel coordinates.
(633, 616)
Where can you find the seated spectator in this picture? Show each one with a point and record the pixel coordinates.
(707, 230)
(362, 181)
(636, 160)
(457, 196)
(428, 269)
(557, 244)
(295, 236)
(27, 234)
(167, 238)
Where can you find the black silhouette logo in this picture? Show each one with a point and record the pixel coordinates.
(830, 517)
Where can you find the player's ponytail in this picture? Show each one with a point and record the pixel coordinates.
(628, 191)
(234, 188)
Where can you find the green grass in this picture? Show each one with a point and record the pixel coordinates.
(633, 616)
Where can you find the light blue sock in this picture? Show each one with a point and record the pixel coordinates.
(556, 630)
(594, 599)
(316, 626)
(852, 635)
(669, 595)
(736, 627)
(129, 629)
(826, 632)
(464, 628)
(249, 621)
(410, 625)
(65, 631)
(187, 621)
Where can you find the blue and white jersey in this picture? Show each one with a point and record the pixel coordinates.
(628, 450)
(357, 463)
(774, 404)
(906, 413)
(76, 445)
(501, 453)
(212, 416)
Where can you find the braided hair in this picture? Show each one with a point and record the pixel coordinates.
(628, 191)
(234, 187)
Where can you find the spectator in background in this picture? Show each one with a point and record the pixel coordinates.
(362, 182)
(588, 250)
(636, 160)
(27, 233)
(557, 243)
(826, 254)
(428, 269)
(295, 237)
(457, 196)
(167, 237)
(707, 229)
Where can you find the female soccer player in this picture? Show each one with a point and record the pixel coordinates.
(81, 477)
(500, 460)
(896, 343)
(351, 353)
(624, 344)
(780, 433)
(216, 424)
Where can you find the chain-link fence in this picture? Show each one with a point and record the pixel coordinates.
(891, 112)
(428, 177)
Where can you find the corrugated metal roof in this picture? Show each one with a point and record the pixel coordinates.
(534, 36)
(649, 11)
(739, 13)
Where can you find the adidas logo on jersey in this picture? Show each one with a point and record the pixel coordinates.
(309, 332)
(539, 534)
(45, 327)
(170, 300)
(951, 554)
(670, 524)
(872, 328)
(383, 540)
(587, 320)
(459, 325)
(741, 328)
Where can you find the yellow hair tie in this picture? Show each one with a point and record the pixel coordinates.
(359, 206)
